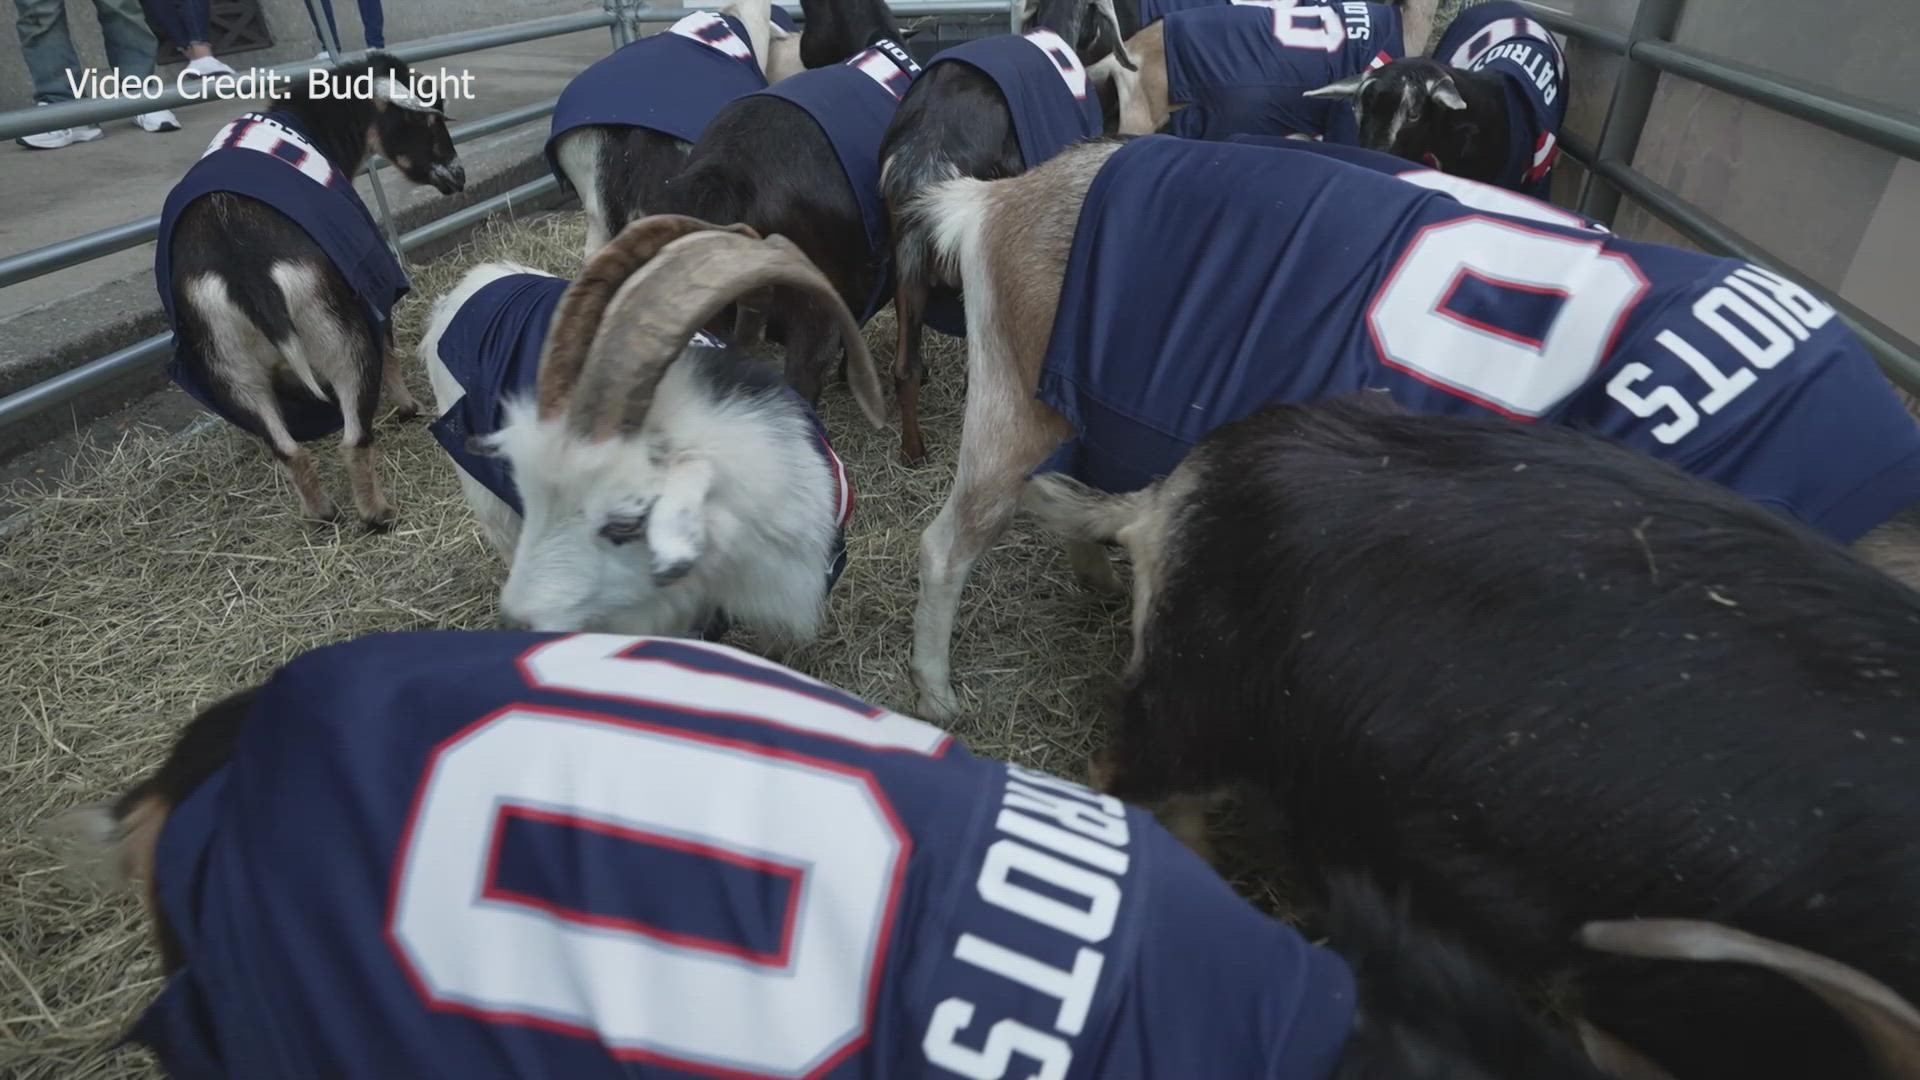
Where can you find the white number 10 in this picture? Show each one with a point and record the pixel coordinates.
(1324, 32)
(647, 993)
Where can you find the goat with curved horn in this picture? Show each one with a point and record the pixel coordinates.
(658, 482)
(692, 279)
(585, 301)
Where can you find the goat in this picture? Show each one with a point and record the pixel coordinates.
(661, 483)
(802, 159)
(1213, 71)
(1487, 106)
(532, 773)
(1534, 679)
(1208, 279)
(626, 123)
(988, 109)
(279, 284)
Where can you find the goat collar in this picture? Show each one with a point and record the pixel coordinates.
(897, 53)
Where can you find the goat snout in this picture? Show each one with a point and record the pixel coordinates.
(448, 178)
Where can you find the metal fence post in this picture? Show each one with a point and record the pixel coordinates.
(1632, 100)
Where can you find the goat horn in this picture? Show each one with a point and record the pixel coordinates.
(577, 317)
(649, 321)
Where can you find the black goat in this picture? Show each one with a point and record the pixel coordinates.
(1487, 105)
(801, 159)
(1534, 680)
(988, 109)
(278, 282)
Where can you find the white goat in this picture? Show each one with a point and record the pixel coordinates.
(664, 482)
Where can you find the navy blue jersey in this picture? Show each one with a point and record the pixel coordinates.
(1498, 38)
(1152, 11)
(492, 347)
(673, 82)
(853, 103)
(1303, 278)
(1243, 68)
(1478, 195)
(447, 854)
(783, 20)
(268, 158)
(1044, 84)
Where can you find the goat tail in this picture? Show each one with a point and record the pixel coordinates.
(951, 216)
(905, 176)
(1073, 511)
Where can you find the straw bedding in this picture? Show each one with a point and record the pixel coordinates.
(168, 570)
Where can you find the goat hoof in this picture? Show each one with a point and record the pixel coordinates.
(914, 453)
(380, 520)
(939, 703)
(404, 413)
(321, 516)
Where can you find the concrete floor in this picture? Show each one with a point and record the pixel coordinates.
(49, 195)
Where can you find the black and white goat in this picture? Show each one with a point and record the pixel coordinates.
(1487, 105)
(427, 743)
(619, 169)
(278, 282)
(1535, 679)
(663, 482)
(800, 160)
(1034, 360)
(960, 119)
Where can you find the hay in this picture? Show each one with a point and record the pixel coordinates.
(166, 571)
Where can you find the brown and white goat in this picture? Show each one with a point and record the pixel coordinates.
(1010, 241)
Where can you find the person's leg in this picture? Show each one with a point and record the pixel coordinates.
(196, 21)
(374, 22)
(42, 26)
(329, 37)
(130, 45)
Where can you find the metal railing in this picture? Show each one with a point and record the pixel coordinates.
(621, 17)
(1647, 53)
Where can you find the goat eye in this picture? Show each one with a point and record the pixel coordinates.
(618, 531)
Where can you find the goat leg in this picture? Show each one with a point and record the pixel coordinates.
(393, 382)
(909, 308)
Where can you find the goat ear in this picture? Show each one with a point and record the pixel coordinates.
(1333, 91)
(677, 525)
(1109, 32)
(1888, 1025)
(1445, 94)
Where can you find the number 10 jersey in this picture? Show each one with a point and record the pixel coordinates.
(1207, 280)
(471, 855)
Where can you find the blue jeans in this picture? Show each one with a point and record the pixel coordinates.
(49, 48)
(184, 22)
(372, 20)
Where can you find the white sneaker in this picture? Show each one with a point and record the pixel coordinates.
(206, 67)
(158, 120)
(59, 137)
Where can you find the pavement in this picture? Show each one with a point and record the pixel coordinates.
(50, 323)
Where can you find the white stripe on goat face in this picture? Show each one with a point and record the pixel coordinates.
(1411, 94)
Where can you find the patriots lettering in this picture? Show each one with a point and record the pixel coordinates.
(1751, 322)
(883, 70)
(1060, 835)
(1536, 64)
